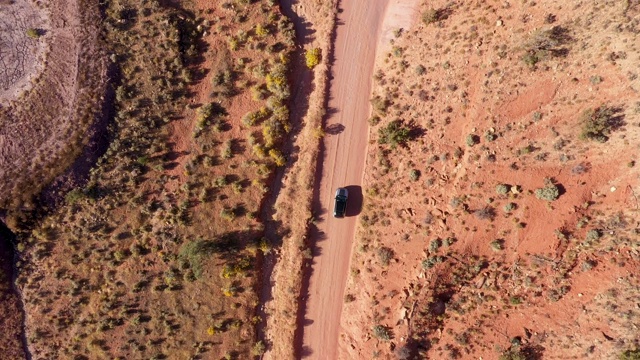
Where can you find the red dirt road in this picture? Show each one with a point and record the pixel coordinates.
(359, 29)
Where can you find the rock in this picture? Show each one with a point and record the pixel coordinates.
(403, 313)
(499, 23)
(613, 188)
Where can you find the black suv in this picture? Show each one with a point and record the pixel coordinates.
(340, 207)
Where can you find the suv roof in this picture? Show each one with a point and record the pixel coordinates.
(340, 206)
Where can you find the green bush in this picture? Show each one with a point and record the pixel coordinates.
(432, 15)
(434, 245)
(394, 134)
(382, 332)
(630, 355)
(33, 33)
(510, 207)
(258, 348)
(550, 192)
(472, 139)
(593, 235)
(432, 261)
(502, 189)
(597, 124)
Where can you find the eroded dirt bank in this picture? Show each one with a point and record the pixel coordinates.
(12, 344)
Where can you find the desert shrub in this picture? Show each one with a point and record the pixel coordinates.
(510, 207)
(588, 264)
(502, 189)
(545, 44)
(258, 348)
(580, 169)
(414, 174)
(597, 124)
(258, 92)
(208, 114)
(458, 152)
(385, 255)
(223, 82)
(226, 152)
(260, 151)
(382, 332)
(431, 16)
(593, 235)
(596, 79)
(449, 241)
(319, 132)
(630, 355)
(228, 214)
(394, 134)
(237, 187)
(276, 81)
(73, 196)
(497, 245)
(405, 352)
(237, 268)
(472, 139)
(486, 213)
(261, 31)
(490, 136)
(432, 261)
(277, 157)
(33, 33)
(513, 354)
(380, 104)
(434, 245)
(195, 252)
(229, 290)
(312, 57)
(374, 120)
(253, 117)
(550, 192)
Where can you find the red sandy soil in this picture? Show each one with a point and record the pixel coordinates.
(563, 296)
(358, 31)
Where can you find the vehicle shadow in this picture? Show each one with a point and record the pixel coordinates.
(354, 206)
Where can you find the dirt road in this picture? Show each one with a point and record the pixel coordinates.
(358, 32)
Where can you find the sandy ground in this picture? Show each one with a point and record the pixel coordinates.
(562, 294)
(358, 33)
(20, 56)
